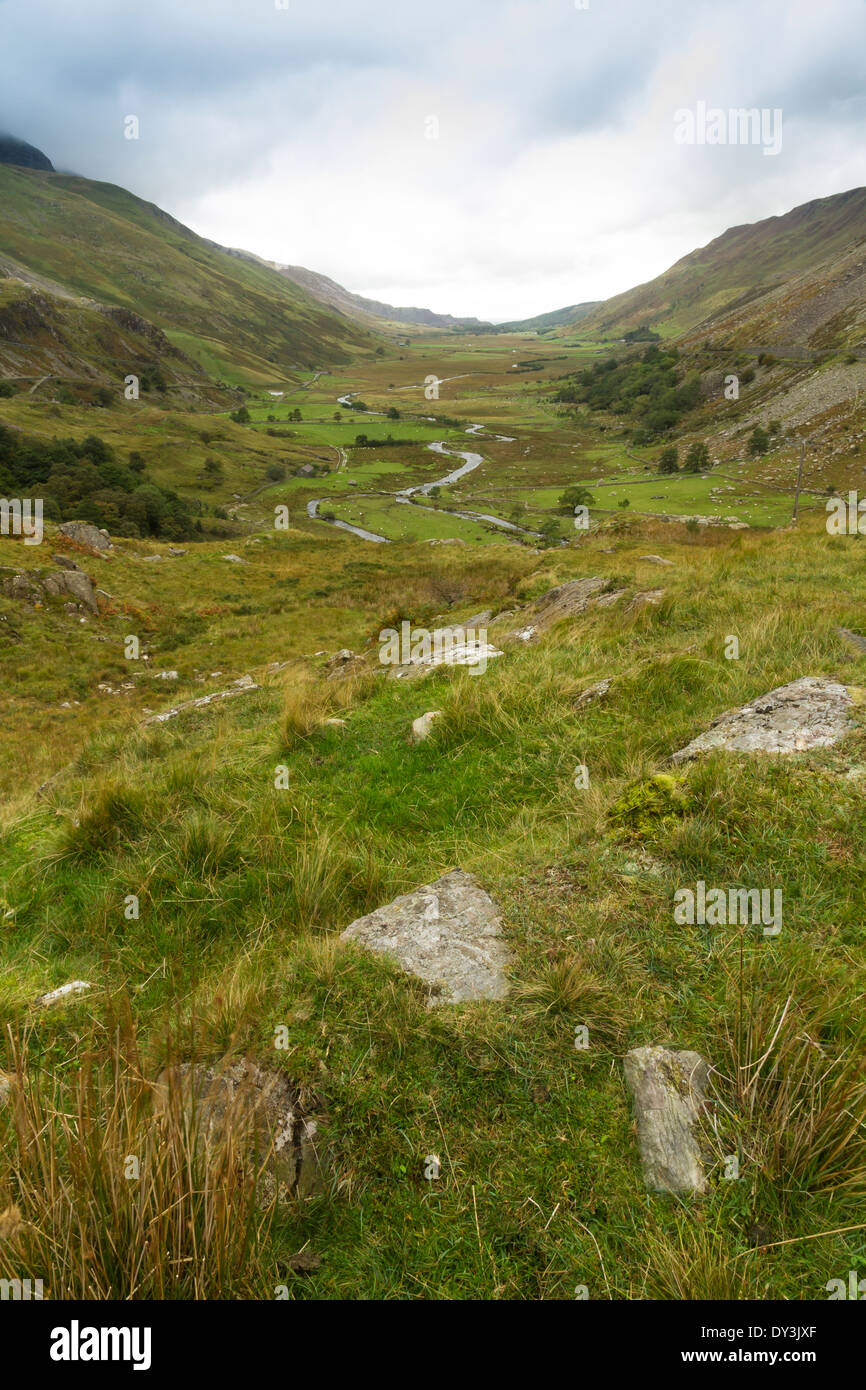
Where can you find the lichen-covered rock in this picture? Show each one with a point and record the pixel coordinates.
(807, 713)
(261, 1111)
(448, 933)
(85, 533)
(669, 1090)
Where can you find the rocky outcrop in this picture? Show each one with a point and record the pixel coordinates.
(85, 533)
(447, 933)
(565, 601)
(808, 713)
(669, 1091)
(260, 1112)
(34, 587)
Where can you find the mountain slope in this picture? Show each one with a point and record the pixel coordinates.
(541, 322)
(98, 242)
(742, 264)
(368, 310)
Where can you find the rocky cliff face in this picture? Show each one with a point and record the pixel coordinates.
(15, 151)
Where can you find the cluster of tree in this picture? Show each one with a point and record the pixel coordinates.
(650, 388)
(697, 459)
(82, 481)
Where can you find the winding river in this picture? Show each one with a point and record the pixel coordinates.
(470, 462)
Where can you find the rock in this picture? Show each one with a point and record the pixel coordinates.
(593, 692)
(76, 584)
(668, 1089)
(852, 638)
(645, 599)
(608, 600)
(235, 559)
(447, 933)
(422, 726)
(655, 559)
(807, 713)
(262, 1111)
(239, 687)
(85, 533)
(479, 619)
(55, 995)
(64, 562)
(336, 723)
(176, 550)
(149, 559)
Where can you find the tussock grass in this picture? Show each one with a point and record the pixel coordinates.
(188, 1226)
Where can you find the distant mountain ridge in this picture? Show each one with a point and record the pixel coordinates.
(327, 291)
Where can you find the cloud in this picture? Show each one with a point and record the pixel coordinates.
(303, 133)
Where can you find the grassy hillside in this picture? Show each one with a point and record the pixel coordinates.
(741, 264)
(244, 889)
(100, 242)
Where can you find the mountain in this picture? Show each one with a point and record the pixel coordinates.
(76, 240)
(541, 322)
(366, 310)
(15, 151)
(735, 269)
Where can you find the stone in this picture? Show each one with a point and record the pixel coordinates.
(655, 560)
(592, 693)
(235, 559)
(74, 583)
(422, 727)
(85, 533)
(264, 1113)
(55, 995)
(808, 713)
(669, 1091)
(447, 933)
(64, 562)
(647, 598)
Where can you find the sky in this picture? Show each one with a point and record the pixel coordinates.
(492, 158)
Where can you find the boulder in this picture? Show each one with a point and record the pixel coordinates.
(447, 933)
(264, 1114)
(808, 713)
(565, 601)
(669, 1090)
(74, 583)
(85, 533)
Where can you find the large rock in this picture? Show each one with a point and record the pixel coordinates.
(808, 713)
(74, 583)
(668, 1089)
(565, 601)
(263, 1113)
(85, 533)
(448, 933)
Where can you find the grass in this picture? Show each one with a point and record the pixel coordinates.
(244, 887)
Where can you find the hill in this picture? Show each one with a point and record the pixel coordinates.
(734, 269)
(366, 310)
(542, 322)
(98, 244)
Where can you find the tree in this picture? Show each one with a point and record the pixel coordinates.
(759, 442)
(213, 467)
(393, 413)
(241, 416)
(668, 459)
(697, 459)
(574, 496)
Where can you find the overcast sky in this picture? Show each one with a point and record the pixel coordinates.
(553, 175)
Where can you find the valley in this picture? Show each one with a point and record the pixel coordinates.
(215, 790)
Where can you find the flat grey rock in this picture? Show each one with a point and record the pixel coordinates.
(447, 933)
(668, 1089)
(807, 713)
